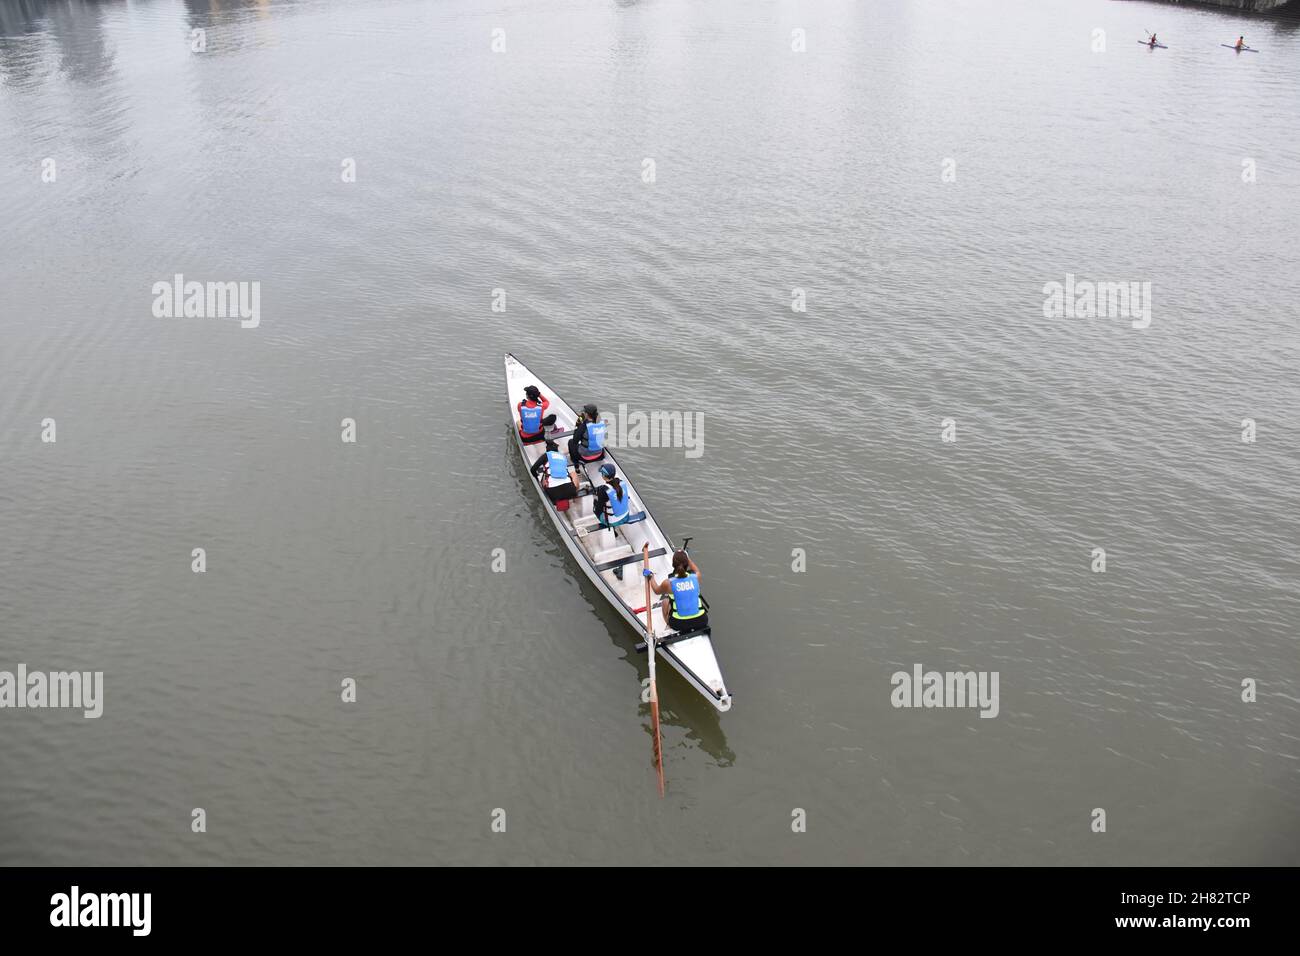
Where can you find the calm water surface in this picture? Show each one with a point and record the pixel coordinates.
(774, 170)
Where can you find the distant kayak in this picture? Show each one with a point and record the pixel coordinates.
(1150, 44)
(1239, 49)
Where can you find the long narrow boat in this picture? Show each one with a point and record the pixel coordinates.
(601, 552)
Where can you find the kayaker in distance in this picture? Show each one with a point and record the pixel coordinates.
(588, 441)
(1241, 42)
(1152, 41)
(560, 480)
(682, 605)
(533, 420)
(613, 502)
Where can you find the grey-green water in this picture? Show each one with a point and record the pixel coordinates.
(775, 170)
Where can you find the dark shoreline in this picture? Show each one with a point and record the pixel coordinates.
(1285, 9)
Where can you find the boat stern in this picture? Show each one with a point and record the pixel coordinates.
(691, 655)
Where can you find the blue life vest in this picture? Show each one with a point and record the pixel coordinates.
(686, 597)
(530, 419)
(558, 465)
(617, 508)
(596, 437)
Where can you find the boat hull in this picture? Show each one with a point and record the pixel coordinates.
(691, 655)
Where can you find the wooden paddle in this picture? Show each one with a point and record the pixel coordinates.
(650, 645)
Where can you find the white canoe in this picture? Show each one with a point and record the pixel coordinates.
(599, 551)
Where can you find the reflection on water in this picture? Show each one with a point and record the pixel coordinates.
(204, 12)
(75, 28)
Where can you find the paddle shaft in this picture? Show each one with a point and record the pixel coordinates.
(654, 691)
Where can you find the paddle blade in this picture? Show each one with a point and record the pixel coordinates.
(654, 691)
(659, 747)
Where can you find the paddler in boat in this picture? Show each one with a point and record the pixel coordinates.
(1153, 40)
(533, 420)
(682, 605)
(559, 480)
(1241, 42)
(588, 441)
(613, 503)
